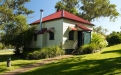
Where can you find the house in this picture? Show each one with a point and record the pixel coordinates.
(63, 29)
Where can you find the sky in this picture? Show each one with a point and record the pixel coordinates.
(48, 7)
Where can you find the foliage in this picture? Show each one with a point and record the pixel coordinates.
(1, 46)
(46, 52)
(89, 9)
(100, 30)
(88, 48)
(114, 38)
(68, 5)
(18, 34)
(99, 40)
(14, 24)
(105, 62)
(93, 9)
(11, 8)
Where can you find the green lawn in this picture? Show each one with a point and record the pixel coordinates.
(15, 62)
(106, 62)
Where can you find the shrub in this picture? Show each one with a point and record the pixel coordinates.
(114, 38)
(99, 40)
(89, 48)
(45, 52)
(1, 46)
(34, 55)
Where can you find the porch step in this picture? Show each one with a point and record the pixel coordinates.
(75, 51)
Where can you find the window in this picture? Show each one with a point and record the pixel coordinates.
(35, 37)
(51, 36)
(71, 35)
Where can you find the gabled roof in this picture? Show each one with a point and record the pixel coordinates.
(62, 14)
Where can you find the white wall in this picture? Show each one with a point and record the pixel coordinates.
(43, 39)
(68, 44)
(58, 24)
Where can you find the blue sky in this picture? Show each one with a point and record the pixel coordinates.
(48, 7)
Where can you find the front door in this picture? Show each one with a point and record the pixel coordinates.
(87, 37)
(80, 38)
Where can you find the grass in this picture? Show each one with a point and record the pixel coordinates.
(15, 61)
(105, 62)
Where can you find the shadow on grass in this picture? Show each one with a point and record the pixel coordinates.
(113, 51)
(80, 66)
(4, 58)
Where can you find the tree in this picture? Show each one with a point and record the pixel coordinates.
(114, 38)
(11, 8)
(18, 34)
(89, 9)
(100, 30)
(14, 24)
(68, 5)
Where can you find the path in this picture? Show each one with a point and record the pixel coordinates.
(27, 68)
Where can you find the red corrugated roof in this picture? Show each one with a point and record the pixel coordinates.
(62, 14)
(83, 27)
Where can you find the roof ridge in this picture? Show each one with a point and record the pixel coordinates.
(51, 14)
(63, 14)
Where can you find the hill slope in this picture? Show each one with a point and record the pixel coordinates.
(106, 62)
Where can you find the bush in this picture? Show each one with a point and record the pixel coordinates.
(99, 40)
(46, 52)
(89, 48)
(114, 38)
(1, 46)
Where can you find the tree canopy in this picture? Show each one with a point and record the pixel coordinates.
(100, 30)
(11, 8)
(68, 5)
(89, 9)
(114, 38)
(14, 24)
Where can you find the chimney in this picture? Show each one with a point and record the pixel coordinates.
(41, 14)
(62, 14)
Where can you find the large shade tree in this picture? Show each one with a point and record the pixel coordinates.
(14, 24)
(89, 9)
(11, 8)
(68, 5)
